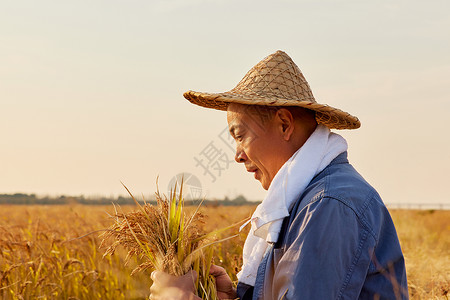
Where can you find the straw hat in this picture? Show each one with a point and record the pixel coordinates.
(276, 81)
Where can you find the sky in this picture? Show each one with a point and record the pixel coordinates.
(91, 91)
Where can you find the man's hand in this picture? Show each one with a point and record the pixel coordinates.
(168, 287)
(224, 285)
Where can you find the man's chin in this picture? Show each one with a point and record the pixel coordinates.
(264, 184)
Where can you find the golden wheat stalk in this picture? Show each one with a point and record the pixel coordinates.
(166, 239)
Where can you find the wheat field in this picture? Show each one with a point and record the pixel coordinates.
(52, 252)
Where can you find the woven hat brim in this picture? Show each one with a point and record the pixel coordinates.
(331, 117)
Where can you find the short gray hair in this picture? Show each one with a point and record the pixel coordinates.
(264, 113)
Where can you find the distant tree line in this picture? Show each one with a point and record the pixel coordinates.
(33, 199)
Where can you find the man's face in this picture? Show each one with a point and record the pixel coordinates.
(257, 144)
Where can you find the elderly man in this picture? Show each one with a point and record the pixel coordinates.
(322, 232)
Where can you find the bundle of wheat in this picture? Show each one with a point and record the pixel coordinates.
(167, 240)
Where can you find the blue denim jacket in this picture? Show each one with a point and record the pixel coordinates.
(339, 242)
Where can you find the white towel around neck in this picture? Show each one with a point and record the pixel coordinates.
(288, 184)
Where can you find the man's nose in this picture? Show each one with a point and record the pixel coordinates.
(240, 156)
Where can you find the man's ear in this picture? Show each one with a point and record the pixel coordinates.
(285, 123)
